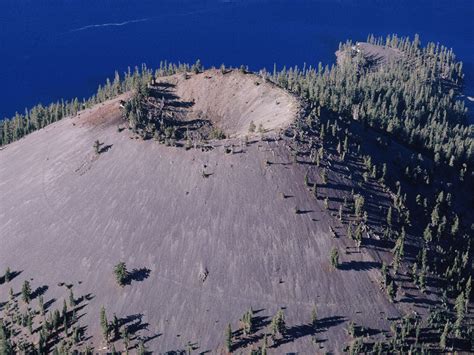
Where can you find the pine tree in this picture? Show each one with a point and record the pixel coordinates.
(278, 325)
(97, 147)
(444, 336)
(358, 205)
(252, 127)
(334, 257)
(314, 317)
(326, 202)
(8, 275)
(315, 190)
(389, 216)
(41, 305)
(125, 337)
(142, 350)
(121, 273)
(72, 301)
(104, 324)
(26, 291)
(459, 306)
(228, 338)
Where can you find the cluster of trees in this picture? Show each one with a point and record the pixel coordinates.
(276, 330)
(414, 98)
(355, 111)
(29, 329)
(39, 116)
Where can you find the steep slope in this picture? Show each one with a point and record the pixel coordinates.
(217, 232)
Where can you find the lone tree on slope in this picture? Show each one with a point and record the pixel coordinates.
(334, 257)
(121, 273)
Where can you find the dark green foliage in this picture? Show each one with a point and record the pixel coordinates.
(8, 274)
(40, 116)
(121, 273)
(248, 322)
(278, 325)
(26, 291)
(334, 257)
(414, 99)
(97, 147)
(252, 127)
(72, 301)
(104, 324)
(228, 338)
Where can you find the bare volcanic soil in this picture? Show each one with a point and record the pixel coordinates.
(205, 234)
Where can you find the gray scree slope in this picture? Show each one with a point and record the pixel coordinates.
(67, 216)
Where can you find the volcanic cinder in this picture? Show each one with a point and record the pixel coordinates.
(210, 233)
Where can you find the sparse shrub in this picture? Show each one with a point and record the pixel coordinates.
(252, 127)
(217, 133)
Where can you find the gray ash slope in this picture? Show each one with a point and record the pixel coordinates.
(212, 228)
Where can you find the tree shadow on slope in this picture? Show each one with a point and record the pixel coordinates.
(41, 290)
(359, 265)
(10, 277)
(137, 275)
(259, 323)
(298, 331)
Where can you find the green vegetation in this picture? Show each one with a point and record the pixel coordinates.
(278, 325)
(334, 257)
(228, 338)
(414, 99)
(26, 291)
(121, 273)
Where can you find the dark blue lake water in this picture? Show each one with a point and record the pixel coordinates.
(53, 49)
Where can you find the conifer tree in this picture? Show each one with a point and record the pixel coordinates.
(26, 291)
(121, 273)
(334, 257)
(8, 274)
(459, 306)
(104, 324)
(228, 338)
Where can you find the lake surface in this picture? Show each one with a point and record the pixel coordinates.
(54, 49)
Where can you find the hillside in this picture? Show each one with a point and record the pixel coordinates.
(293, 212)
(209, 233)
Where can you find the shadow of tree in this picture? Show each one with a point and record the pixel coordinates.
(302, 330)
(359, 265)
(105, 148)
(11, 276)
(39, 291)
(137, 275)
